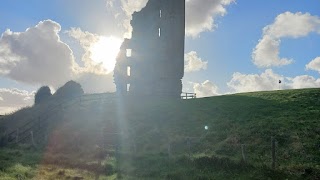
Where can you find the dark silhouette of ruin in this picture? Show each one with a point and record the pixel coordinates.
(152, 61)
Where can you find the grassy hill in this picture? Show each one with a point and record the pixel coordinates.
(224, 137)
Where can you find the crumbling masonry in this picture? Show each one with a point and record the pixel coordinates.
(152, 61)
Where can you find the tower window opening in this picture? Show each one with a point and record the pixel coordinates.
(160, 13)
(128, 52)
(159, 32)
(128, 71)
(128, 87)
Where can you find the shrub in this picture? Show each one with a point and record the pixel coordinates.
(42, 94)
(69, 90)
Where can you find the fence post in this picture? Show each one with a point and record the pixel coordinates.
(189, 146)
(273, 149)
(7, 137)
(32, 140)
(17, 136)
(46, 136)
(169, 150)
(39, 125)
(102, 137)
(243, 153)
(119, 175)
(134, 147)
(100, 156)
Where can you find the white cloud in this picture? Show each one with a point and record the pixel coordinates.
(85, 38)
(96, 83)
(110, 3)
(205, 89)
(289, 25)
(131, 6)
(293, 25)
(266, 53)
(100, 52)
(200, 16)
(37, 56)
(122, 11)
(86, 41)
(193, 62)
(94, 78)
(13, 99)
(314, 65)
(269, 80)
(303, 81)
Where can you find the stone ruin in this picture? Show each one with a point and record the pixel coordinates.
(152, 61)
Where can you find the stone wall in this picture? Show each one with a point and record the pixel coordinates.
(152, 61)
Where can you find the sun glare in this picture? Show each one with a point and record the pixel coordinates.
(105, 51)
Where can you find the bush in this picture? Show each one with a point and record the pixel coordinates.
(69, 90)
(42, 94)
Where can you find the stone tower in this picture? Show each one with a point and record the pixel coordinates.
(152, 61)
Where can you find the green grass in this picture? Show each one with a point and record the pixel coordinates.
(148, 126)
(27, 162)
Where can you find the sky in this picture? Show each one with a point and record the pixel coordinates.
(232, 46)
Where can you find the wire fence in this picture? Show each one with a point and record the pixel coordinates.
(35, 124)
(270, 151)
(186, 95)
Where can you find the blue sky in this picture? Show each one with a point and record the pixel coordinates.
(228, 48)
(222, 36)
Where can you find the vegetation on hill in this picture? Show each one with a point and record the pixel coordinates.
(69, 90)
(46, 106)
(42, 95)
(225, 137)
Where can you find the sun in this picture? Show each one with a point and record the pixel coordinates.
(105, 51)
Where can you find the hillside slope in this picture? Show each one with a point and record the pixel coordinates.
(187, 139)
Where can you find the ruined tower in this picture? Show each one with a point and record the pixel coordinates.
(152, 61)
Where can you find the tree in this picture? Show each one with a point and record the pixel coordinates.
(42, 94)
(69, 90)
